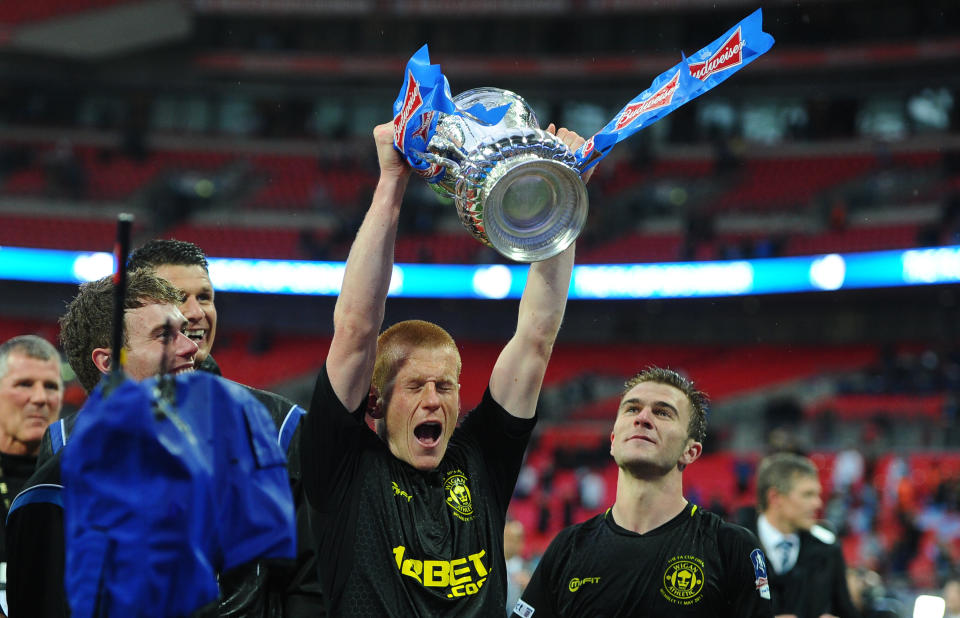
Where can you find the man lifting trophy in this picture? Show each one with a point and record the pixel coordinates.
(516, 187)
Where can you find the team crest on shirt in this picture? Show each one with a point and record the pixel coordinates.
(683, 580)
(458, 495)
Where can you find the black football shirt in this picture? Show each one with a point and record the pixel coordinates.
(695, 565)
(396, 541)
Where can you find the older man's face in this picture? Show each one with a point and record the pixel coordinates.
(31, 394)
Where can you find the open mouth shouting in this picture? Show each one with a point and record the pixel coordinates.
(428, 433)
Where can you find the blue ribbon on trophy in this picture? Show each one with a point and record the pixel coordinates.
(517, 188)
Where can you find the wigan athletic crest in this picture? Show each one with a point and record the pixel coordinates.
(683, 580)
(458, 495)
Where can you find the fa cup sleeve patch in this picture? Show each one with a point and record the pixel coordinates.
(523, 610)
(760, 573)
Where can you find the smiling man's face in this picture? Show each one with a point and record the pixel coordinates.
(153, 349)
(651, 433)
(198, 308)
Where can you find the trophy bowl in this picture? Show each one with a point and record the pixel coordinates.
(516, 188)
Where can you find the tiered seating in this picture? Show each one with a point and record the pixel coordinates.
(287, 357)
(917, 159)
(242, 242)
(640, 247)
(78, 234)
(285, 182)
(718, 370)
(29, 181)
(633, 247)
(865, 406)
(860, 238)
(626, 175)
(14, 13)
(114, 177)
(58, 233)
(291, 182)
(453, 248)
(297, 182)
(769, 184)
(11, 327)
(288, 181)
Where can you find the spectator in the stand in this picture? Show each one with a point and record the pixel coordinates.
(31, 393)
(837, 217)
(593, 489)
(65, 172)
(518, 568)
(700, 231)
(526, 481)
(869, 596)
(951, 598)
(807, 569)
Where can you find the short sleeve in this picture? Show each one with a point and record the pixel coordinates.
(330, 446)
(539, 597)
(502, 439)
(745, 573)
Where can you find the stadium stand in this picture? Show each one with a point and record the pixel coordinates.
(19, 13)
(250, 137)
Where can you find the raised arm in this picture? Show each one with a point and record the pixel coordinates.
(358, 314)
(518, 374)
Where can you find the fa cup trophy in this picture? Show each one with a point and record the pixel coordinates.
(518, 188)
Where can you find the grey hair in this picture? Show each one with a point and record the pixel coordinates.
(780, 471)
(30, 346)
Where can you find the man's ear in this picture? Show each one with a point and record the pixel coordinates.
(691, 454)
(374, 403)
(101, 359)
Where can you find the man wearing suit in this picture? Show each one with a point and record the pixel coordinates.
(807, 570)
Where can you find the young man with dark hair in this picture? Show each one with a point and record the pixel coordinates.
(186, 266)
(412, 522)
(652, 553)
(86, 328)
(808, 574)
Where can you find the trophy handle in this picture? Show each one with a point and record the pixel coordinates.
(448, 164)
(452, 171)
